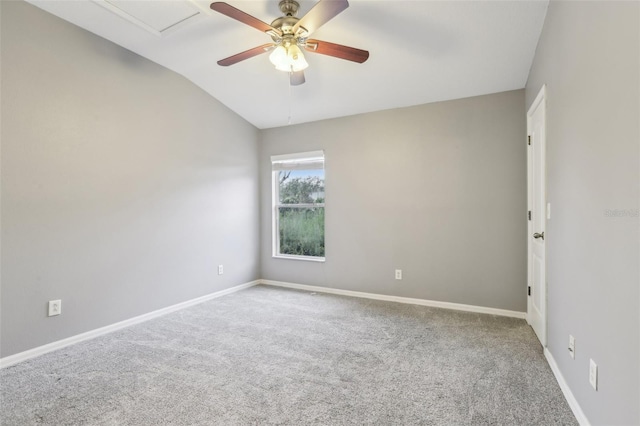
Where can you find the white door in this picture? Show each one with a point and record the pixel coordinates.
(537, 303)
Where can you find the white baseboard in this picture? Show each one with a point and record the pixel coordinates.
(41, 350)
(571, 400)
(564, 386)
(398, 299)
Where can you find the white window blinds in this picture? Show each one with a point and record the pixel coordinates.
(313, 160)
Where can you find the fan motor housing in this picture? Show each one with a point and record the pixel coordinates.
(284, 24)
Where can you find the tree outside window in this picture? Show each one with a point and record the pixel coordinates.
(299, 208)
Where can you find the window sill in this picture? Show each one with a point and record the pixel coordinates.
(307, 258)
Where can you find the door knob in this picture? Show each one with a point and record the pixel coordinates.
(536, 235)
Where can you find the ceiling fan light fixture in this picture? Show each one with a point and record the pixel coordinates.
(288, 59)
(290, 36)
(279, 57)
(298, 62)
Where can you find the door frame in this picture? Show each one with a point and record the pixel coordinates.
(541, 98)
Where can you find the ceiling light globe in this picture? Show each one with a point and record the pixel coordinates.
(280, 59)
(296, 59)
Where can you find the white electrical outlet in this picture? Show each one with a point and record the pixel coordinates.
(398, 274)
(572, 347)
(220, 269)
(55, 307)
(593, 374)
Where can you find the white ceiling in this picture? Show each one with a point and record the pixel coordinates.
(420, 51)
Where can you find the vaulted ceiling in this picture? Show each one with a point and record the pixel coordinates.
(420, 51)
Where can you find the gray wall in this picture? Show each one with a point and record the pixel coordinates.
(123, 184)
(437, 190)
(589, 58)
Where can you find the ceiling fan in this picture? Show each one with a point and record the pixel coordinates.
(290, 35)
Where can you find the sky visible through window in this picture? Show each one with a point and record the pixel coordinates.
(306, 173)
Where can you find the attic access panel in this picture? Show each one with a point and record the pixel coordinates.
(157, 17)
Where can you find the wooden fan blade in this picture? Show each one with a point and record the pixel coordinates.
(296, 78)
(245, 18)
(337, 50)
(320, 14)
(246, 54)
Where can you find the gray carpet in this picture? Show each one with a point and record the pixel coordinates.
(275, 356)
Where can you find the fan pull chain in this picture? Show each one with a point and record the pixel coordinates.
(289, 118)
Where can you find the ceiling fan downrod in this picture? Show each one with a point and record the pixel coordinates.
(289, 7)
(285, 24)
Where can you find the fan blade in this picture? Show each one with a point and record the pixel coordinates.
(296, 78)
(337, 50)
(245, 18)
(246, 54)
(320, 14)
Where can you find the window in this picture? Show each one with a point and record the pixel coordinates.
(298, 205)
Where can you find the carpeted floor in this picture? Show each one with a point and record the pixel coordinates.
(274, 356)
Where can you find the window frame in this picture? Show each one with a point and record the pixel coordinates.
(276, 206)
